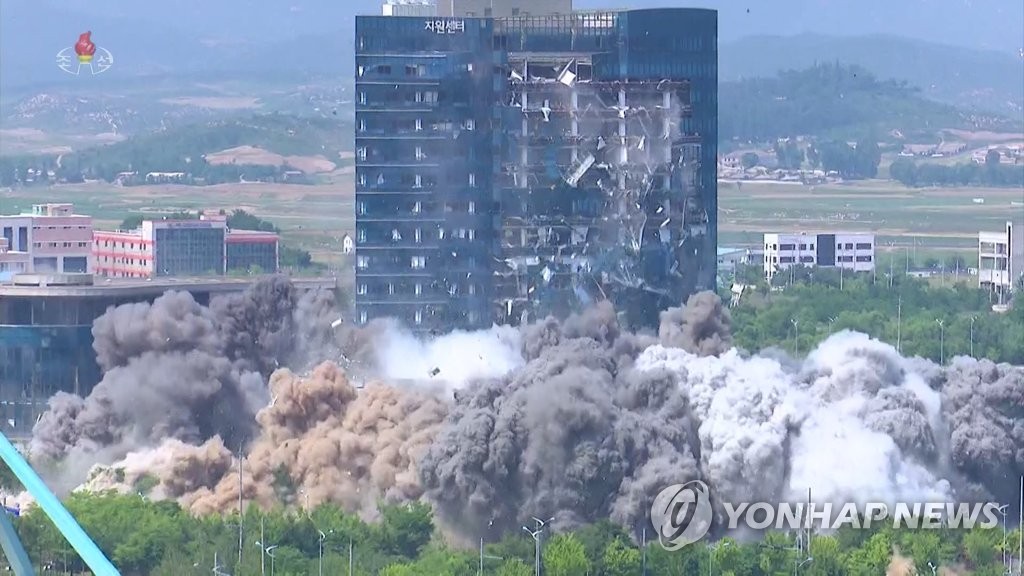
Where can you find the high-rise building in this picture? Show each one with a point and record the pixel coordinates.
(511, 167)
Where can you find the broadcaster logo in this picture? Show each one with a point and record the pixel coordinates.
(682, 514)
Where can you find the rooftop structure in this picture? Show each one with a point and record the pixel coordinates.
(507, 168)
(409, 8)
(50, 238)
(502, 8)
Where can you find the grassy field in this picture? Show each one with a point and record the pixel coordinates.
(935, 220)
(931, 222)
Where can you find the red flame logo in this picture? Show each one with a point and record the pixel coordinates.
(84, 47)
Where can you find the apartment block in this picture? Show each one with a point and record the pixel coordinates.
(53, 237)
(1001, 259)
(854, 251)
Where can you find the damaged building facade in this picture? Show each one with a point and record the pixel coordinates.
(573, 161)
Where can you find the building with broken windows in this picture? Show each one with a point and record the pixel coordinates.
(508, 168)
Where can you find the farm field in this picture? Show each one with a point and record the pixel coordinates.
(932, 219)
(935, 221)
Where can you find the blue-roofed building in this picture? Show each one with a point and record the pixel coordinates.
(509, 168)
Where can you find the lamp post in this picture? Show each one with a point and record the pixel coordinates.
(796, 335)
(1002, 511)
(809, 559)
(942, 340)
(320, 556)
(536, 535)
(831, 321)
(973, 319)
(933, 567)
(892, 257)
(270, 552)
(711, 551)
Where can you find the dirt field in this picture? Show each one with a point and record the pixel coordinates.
(215, 102)
(260, 157)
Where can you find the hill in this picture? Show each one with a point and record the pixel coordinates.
(319, 141)
(970, 78)
(68, 115)
(839, 102)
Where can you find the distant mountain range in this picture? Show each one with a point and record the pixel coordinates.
(971, 79)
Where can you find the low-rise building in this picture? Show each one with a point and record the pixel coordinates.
(54, 238)
(853, 251)
(12, 261)
(184, 248)
(251, 250)
(1001, 259)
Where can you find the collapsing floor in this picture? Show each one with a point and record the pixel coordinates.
(600, 193)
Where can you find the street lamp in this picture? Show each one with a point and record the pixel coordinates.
(270, 552)
(796, 335)
(711, 550)
(808, 560)
(323, 537)
(933, 567)
(892, 257)
(1002, 512)
(942, 340)
(536, 535)
(264, 552)
(831, 321)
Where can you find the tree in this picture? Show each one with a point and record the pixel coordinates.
(564, 556)
(515, 567)
(992, 158)
(749, 159)
(620, 559)
(406, 529)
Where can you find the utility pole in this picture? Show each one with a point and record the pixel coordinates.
(796, 335)
(1020, 531)
(973, 318)
(643, 540)
(899, 321)
(350, 556)
(942, 340)
(263, 548)
(240, 545)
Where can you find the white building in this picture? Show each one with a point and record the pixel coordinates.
(348, 246)
(54, 238)
(847, 250)
(1001, 258)
(409, 8)
(729, 258)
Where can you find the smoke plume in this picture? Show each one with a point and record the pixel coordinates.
(577, 419)
(176, 369)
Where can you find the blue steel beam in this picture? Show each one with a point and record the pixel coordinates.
(59, 515)
(13, 549)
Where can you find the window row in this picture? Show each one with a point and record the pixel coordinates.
(415, 207)
(413, 180)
